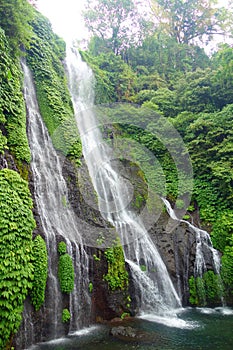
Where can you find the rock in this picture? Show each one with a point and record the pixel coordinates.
(128, 333)
(123, 331)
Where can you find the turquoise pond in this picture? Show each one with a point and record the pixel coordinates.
(193, 329)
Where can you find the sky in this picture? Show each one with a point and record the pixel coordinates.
(66, 17)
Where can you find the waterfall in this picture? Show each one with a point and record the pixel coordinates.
(57, 221)
(203, 245)
(154, 290)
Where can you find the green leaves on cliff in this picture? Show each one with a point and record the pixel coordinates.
(65, 269)
(16, 268)
(15, 17)
(117, 275)
(40, 263)
(12, 108)
(45, 59)
(206, 290)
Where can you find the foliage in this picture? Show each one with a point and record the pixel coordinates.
(112, 21)
(15, 17)
(192, 291)
(159, 59)
(61, 248)
(16, 268)
(124, 315)
(115, 81)
(12, 108)
(194, 91)
(227, 271)
(40, 263)
(190, 19)
(222, 229)
(205, 290)
(90, 287)
(45, 59)
(66, 273)
(143, 268)
(65, 315)
(117, 276)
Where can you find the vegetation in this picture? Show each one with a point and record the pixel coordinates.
(90, 287)
(12, 109)
(16, 268)
(65, 315)
(117, 276)
(65, 269)
(168, 73)
(190, 19)
(61, 248)
(115, 33)
(161, 69)
(15, 21)
(40, 263)
(45, 57)
(205, 290)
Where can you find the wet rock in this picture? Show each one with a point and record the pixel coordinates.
(130, 334)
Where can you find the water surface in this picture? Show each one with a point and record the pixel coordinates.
(194, 329)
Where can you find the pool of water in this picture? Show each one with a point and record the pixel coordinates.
(193, 329)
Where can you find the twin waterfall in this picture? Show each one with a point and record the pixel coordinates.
(154, 291)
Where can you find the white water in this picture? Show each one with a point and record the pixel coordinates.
(153, 288)
(57, 220)
(203, 244)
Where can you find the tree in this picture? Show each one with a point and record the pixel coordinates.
(116, 22)
(189, 20)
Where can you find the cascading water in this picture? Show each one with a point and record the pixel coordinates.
(154, 290)
(203, 244)
(57, 220)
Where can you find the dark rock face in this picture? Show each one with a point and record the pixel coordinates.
(178, 250)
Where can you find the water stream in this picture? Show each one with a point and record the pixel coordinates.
(203, 245)
(57, 221)
(153, 287)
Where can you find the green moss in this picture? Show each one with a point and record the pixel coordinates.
(45, 59)
(40, 263)
(61, 248)
(65, 315)
(12, 107)
(16, 268)
(90, 287)
(66, 273)
(227, 271)
(117, 276)
(206, 290)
